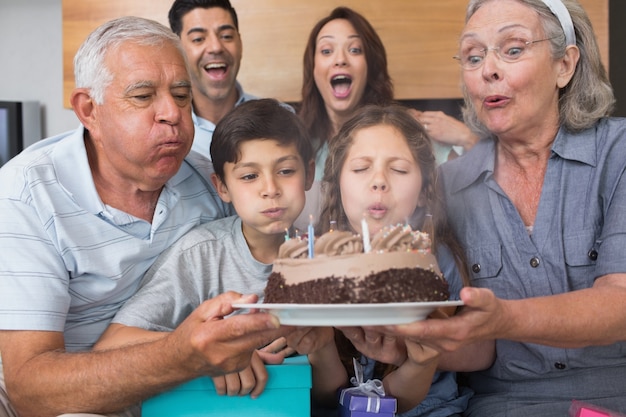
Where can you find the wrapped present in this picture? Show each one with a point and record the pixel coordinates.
(582, 409)
(287, 394)
(366, 398)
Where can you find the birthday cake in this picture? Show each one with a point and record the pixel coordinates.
(398, 267)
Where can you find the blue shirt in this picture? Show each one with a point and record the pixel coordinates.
(579, 235)
(68, 260)
(204, 128)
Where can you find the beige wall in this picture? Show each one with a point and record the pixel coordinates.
(420, 37)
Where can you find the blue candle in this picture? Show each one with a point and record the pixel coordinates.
(311, 236)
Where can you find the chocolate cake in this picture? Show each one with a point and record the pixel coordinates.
(398, 268)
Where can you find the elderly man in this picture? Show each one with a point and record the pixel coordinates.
(86, 213)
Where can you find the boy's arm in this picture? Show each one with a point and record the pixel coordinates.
(329, 375)
(327, 370)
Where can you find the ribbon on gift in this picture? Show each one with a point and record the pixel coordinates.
(372, 388)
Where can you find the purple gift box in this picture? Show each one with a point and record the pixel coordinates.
(359, 404)
(365, 398)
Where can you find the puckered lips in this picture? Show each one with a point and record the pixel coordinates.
(216, 70)
(274, 212)
(341, 85)
(377, 210)
(172, 146)
(494, 101)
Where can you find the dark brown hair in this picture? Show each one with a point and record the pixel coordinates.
(378, 90)
(254, 120)
(181, 7)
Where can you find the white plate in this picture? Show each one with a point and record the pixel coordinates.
(350, 314)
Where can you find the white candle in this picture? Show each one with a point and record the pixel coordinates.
(311, 236)
(365, 232)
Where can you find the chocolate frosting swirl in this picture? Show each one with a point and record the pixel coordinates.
(294, 248)
(338, 243)
(399, 239)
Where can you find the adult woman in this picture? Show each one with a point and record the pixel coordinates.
(345, 68)
(539, 210)
(345, 40)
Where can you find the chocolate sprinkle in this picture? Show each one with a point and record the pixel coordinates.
(391, 286)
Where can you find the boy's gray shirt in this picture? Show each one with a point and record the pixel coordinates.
(209, 260)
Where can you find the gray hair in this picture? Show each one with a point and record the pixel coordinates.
(589, 95)
(90, 70)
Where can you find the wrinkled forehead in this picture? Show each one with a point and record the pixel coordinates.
(132, 62)
(497, 18)
(140, 49)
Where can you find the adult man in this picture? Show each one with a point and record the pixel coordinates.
(209, 33)
(85, 214)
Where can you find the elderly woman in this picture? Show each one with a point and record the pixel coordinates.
(540, 208)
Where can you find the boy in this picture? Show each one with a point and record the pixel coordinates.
(263, 162)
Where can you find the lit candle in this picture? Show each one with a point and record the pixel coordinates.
(365, 232)
(311, 236)
(286, 234)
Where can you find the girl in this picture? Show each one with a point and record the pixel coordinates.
(390, 184)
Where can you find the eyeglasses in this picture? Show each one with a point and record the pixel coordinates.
(509, 50)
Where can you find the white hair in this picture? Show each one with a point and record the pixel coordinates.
(90, 70)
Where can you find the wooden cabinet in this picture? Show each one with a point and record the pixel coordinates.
(420, 37)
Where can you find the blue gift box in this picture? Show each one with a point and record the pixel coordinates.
(356, 404)
(287, 394)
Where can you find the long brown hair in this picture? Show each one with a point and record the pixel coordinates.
(379, 87)
(431, 218)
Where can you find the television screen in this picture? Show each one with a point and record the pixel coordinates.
(8, 140)
(20, 126)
